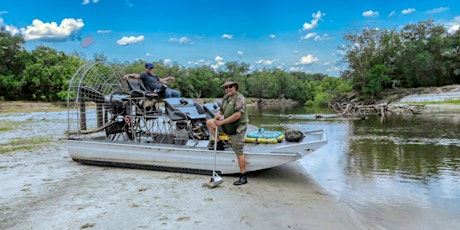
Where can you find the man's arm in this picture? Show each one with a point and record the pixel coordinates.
(132, 75)
(166, 79)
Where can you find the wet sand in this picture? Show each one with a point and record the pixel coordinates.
(44, 189)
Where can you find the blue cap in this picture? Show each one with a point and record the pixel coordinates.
(149, 65)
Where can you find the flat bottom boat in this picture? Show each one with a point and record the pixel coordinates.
(116, 122)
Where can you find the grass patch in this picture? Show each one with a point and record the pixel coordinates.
(9, 125)
(25, 107)
(18, 144)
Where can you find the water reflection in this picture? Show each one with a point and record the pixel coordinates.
(400, 174)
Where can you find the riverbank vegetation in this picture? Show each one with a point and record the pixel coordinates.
(418, 55)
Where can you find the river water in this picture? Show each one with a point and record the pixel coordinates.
(403, 173)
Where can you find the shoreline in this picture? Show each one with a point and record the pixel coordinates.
(44, 189)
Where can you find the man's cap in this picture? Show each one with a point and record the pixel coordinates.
(149, 65)
(229, 81)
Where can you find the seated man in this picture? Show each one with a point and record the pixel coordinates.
(153, 83)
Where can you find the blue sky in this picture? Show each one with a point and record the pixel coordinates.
(288, 34)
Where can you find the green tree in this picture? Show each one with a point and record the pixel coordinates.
(46, 74)
(12, 54)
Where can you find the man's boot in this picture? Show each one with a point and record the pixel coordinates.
(241, 181)
(220, 146)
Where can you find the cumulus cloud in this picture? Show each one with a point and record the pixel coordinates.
(453, 25)
(219, 61)
(130, 40)
(392, 13)
(272, 36)
(182, 40)
(52, 32)
(10, 29)
(314, 22)
(408, 11)
(240, 53)
(370, 13)
(227, 36)
(437, 10)
(307, 60)
(86, 2)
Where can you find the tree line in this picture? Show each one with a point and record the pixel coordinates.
(418, 55)
(44, 73)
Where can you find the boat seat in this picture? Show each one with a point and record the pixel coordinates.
(137, 89)
(211, 109)
(184, 109)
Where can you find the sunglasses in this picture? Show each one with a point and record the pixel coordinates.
(228, 86)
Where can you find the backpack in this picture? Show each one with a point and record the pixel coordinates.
(294, 135)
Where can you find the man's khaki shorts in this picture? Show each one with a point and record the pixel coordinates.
(239, 138)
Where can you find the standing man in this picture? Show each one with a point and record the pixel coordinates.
(232, 119)
(153, 83)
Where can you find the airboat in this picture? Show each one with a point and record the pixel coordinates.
(116, 122)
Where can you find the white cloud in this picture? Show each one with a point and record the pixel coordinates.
(86, 2)
(167, 61)
(453, 25)
(437, 10)
(182, 40)
(104, 31)
(130, 40)
(272, 36)
(200, 62)
(266, 62)
(227, 36)
(408, 11)
(314, 22)
(10, 29)
(307, 60)
(218, 59)
(297, 69)
(295, 52)
(392, 13)
(149, 55)
(308, 36)
(325, 37)
(219, 62)
(240, 53)
(52, 32)
(370, 13)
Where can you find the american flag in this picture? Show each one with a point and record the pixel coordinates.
(87, 41)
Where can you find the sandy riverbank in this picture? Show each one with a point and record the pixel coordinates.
(43, 188)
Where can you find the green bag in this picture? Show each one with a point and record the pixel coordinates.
(294, 135)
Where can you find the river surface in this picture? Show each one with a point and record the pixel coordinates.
(403, 173)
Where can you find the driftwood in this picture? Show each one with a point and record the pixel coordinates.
(362, 110)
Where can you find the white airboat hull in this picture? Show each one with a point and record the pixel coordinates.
(190, 157)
